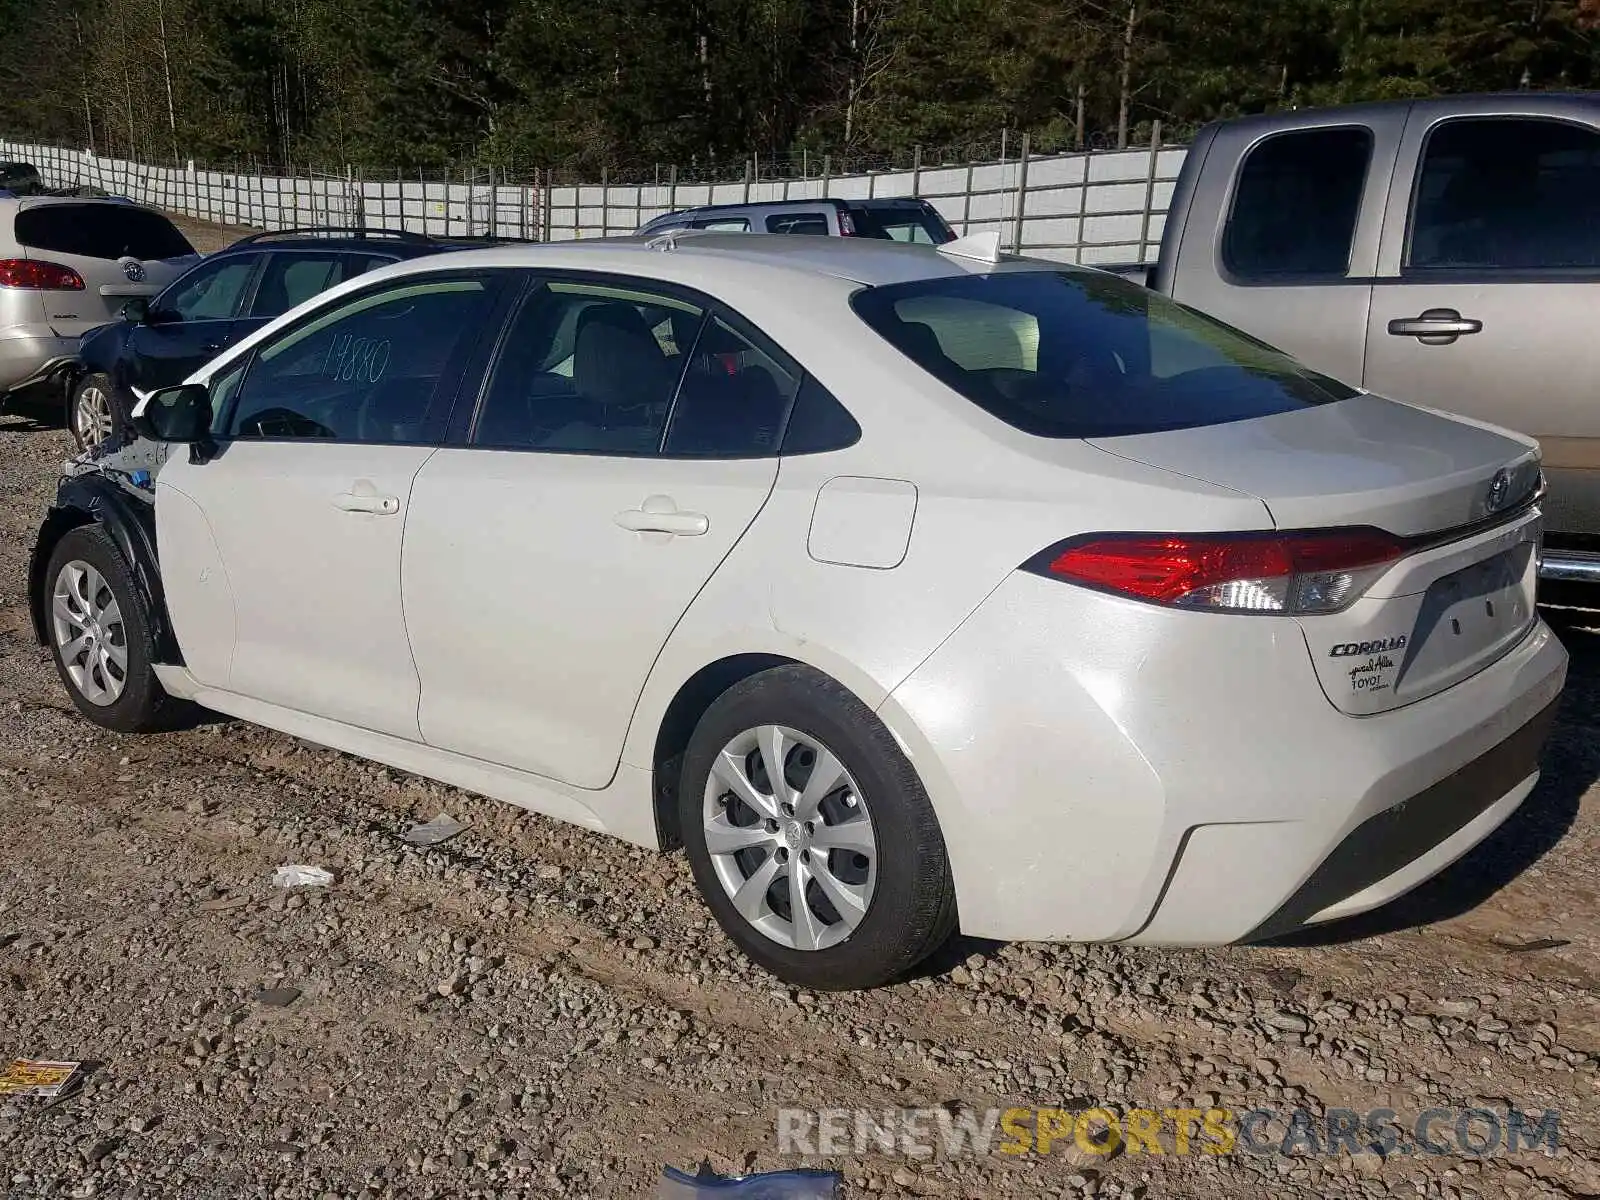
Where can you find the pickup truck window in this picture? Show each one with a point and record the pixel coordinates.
(1509, 194)
(1078, 354)
(1295, 204)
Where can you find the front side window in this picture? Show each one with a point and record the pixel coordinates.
(903, 223)
(365, 369)
(1296, 203)
(588, 368)
(1508, 194)
(1077, 354)
(813, 223)
(211, 292)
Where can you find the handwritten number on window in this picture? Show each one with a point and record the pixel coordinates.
(353, 359)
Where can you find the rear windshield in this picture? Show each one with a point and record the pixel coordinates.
(905, 224)
(1077, 354)
(100, 231)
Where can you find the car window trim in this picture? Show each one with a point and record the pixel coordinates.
(1478, 273)
(438, 415)
(1297, 278)
(464, 423)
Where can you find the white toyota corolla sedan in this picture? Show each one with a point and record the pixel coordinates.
(908, 589)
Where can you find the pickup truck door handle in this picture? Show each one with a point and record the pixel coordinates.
(211, 347)
(1435, 327)
(660, 514)
(364, 498)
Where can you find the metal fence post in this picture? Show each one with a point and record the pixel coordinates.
(549, 200)
(916, 171)
(1022, 196)
(747, 181)
(605, 201)
(1150, 187)
(1083, 209)
(966, 203)
(827, 169)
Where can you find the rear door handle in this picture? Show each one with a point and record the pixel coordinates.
(364, 498)
(211, 347)
(660, 514)
(1435, 327)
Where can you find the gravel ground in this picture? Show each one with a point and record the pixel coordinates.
(531, 1009)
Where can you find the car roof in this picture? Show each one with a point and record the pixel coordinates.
(812, 202)
(863, 261)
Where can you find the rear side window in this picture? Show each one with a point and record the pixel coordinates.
(292, 279)
(1507, 194)
(108, 231)
(815, 223)
(1296, 202)
(725, 224)
(1075, 354)
(733, 398)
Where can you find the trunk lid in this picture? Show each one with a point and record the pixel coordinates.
(1462, 596)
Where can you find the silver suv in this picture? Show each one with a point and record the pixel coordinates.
(68, 266)
(899, 219)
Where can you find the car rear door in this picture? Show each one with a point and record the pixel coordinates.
(188, 324)
(1488, 270)
(554, 544)
(121, 252)
(1284, 245)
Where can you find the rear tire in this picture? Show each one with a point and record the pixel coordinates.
(94, 413)
(861, 853)
(100, 636)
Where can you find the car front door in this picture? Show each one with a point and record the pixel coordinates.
(1485, 305)
(552, 548)
(295, 524)
(188, 324)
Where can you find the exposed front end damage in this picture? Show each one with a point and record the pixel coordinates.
(112, 485)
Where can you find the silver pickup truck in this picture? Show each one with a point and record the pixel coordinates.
(1441, 252)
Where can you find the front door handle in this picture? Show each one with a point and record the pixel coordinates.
(211, 347)
(363, 497)
(660, 514)
(1435, 327)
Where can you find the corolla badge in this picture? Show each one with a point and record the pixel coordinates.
(134, 271)
(1499, 491)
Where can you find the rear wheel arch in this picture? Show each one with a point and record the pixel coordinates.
(678, 722)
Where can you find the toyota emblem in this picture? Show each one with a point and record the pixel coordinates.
(134, 271)
(1499, 491)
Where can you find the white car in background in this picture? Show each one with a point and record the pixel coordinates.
(909, 588)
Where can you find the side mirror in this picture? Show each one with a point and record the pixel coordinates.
(135, 310)
(175, 414)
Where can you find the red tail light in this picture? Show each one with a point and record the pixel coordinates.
(39, 276)
(1318, 571)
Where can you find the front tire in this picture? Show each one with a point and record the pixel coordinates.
(100, 636)
(810, 836)
(93, 411)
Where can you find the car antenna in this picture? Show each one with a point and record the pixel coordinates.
(980, 247)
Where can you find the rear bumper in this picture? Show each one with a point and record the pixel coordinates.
(30, 356)
(1111, 771)
(1389, 854)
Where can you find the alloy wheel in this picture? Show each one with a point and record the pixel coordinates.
(91, 416)
(89, 631)
(790, 837)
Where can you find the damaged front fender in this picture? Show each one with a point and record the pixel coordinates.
(131, 523)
